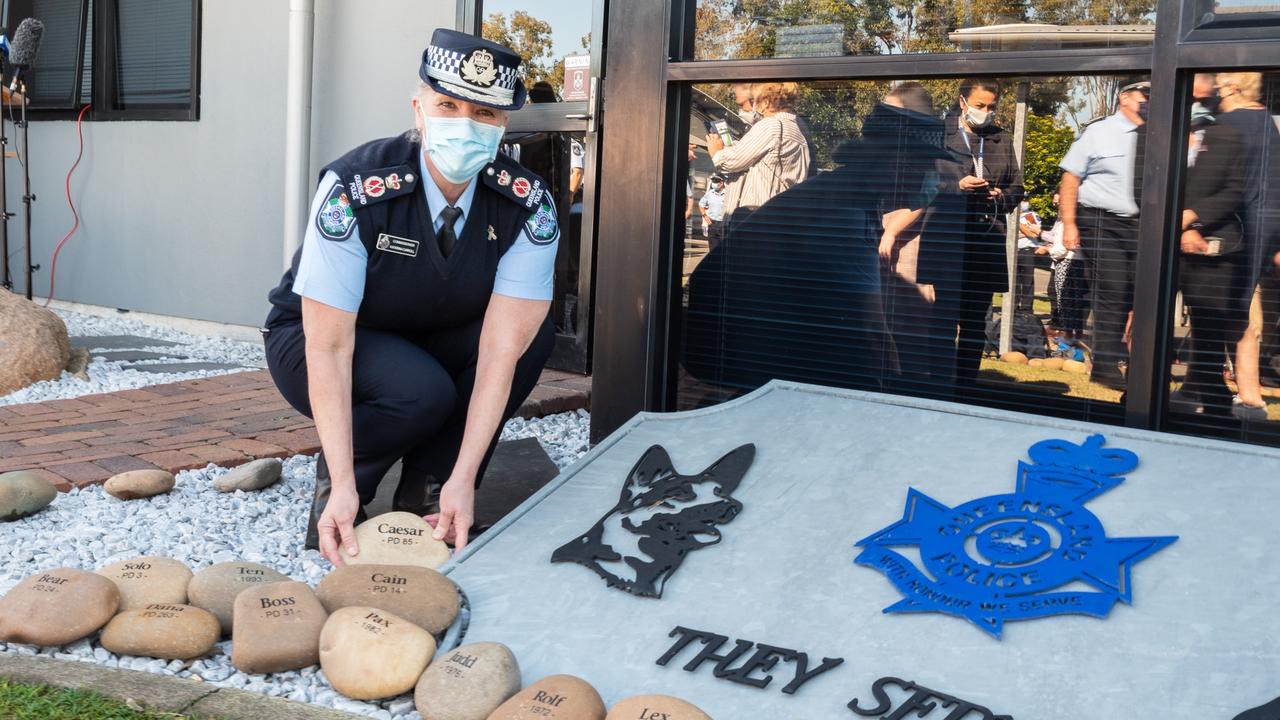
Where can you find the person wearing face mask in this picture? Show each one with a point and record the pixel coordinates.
(413, 320)
(1099, 216)
(981, 183)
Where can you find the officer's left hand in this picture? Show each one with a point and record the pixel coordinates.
(457, 510)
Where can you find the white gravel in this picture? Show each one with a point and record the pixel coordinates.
(105, 376)
(196, 524)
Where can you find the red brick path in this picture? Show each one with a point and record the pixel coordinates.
(227, 420)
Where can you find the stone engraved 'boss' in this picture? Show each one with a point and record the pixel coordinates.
(277, 602)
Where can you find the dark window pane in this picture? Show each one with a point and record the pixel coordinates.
(52, 82)
(729, 29)
(154, 52)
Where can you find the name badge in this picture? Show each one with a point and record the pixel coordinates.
(397, 245)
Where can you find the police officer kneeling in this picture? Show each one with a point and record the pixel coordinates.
(414, 319)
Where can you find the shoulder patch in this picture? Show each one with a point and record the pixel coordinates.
(374, 186)
(513, 182)
(542, 226)
(335, 219)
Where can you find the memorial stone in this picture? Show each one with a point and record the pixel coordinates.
(655, 707)
(56, 607)
(147, 580)
(215, 588)
(277, 628)
(137, 484)
(250, 476)
(558, 697)
(23, 494)
(397, 538)
(420, 595)
(369, 654)
(468, 683)
(162, 630)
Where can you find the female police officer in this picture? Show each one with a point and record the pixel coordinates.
(413, 321)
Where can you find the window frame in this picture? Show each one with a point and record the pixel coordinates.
(104, 82)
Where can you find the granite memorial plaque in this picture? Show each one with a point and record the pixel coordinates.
(1026, 515)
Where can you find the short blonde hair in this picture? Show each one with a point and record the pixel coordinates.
(1248, 83)
(775, 96)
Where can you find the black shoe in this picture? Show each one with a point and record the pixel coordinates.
(1270, 711)
(417, 493)
(318, 501)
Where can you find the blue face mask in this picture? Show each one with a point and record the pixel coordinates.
(461, 147)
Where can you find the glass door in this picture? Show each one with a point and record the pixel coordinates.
(555, 136)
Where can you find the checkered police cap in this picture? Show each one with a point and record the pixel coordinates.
(473, 69)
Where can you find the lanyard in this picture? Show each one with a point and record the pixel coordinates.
(982, 146)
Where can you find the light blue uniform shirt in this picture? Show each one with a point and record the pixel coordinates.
(1102, 158)
(333, 271)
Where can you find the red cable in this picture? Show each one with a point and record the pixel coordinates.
(53, 266)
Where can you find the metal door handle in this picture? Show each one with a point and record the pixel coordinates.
(578, 116)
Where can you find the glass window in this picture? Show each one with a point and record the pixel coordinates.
(1236, 13)
(1225, 370)
(53, 81)
(153, 53)
(897, 236)
(546, 37)
(734, 29)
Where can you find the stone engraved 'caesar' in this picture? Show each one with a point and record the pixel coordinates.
(762, 660)
(997, 559)
(921, 701)
(660, 518)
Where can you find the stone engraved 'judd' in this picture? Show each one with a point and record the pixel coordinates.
(661, 516)
(277, 628)
(558, 697)
(1002, 558)
(215, 588)
(147, 580)
(420, 595)
(397, 538)
(162, 630)
(751, 671)
(56, 607)
(368, 653)
(468, 683)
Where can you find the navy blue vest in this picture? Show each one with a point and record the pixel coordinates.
(410, 288)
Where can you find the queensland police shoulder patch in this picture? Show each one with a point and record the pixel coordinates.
(542, 226)
(336, 219)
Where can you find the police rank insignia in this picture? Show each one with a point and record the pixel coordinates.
(542, 226)
(479, 69)
(1003, 558)
(336, 218)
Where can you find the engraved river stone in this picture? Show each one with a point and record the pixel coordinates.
(397, 538)
(468, 683)
(22, 494)
(137, 484)
(215, 588)
(277, 628)
(162, 630)
(557, 697)
(146, 580)
(56, 607)
(655, 707)
(370, 654)
(251, 476)
(420, 595)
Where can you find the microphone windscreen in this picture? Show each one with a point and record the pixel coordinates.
(26, 43)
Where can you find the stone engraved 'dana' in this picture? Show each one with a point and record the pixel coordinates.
(370, 654)
(468, 683)
(277, 628)
(56, 607)
(420, 595)
(397, 538)
(655, 707)
(146, 580)
(215, 588)
(162, 630)
(559, 697)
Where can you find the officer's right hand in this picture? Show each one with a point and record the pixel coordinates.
(337, 524)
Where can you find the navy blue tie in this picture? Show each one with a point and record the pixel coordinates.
(447, 238)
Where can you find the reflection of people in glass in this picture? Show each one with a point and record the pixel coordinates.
(742, 96)
(984, 173)
(770, 158)
(712, 208)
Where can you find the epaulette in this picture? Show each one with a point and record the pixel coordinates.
(374, 186)
(514, 182)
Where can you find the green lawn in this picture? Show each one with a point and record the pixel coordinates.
(38, 702)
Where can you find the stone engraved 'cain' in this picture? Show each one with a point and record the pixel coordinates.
(762, 660)
(548, 698)
(389, 579)
(397, 530)
(280, 602)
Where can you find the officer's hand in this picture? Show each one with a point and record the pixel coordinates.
(1193, 243)
(969, 183)
(457, 510)
(336, 524)
(1071, 236)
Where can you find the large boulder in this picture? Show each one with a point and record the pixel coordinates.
(33, 343)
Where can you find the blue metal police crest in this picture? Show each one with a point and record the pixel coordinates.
(1006, 557)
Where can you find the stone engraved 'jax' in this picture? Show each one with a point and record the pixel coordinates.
(1031, 541)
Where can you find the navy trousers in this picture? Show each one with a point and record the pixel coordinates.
(409, 395)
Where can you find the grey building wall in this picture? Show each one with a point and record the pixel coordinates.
(185, 218)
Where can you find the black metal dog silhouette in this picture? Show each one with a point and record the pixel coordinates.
(660, 518)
